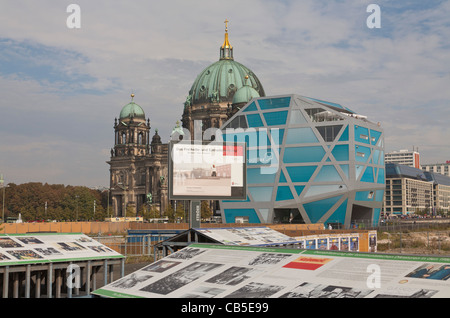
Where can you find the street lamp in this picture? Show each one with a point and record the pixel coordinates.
(77, 196)
(2, 181)
(4, 188)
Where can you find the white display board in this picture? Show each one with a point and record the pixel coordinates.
(221, 271)
(44, 248)
(207, 170)
(254, 236)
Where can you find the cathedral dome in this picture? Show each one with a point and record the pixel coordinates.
(132, 110)
(245, 93)
(220, 81)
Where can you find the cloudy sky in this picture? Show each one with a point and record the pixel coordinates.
(61, 88)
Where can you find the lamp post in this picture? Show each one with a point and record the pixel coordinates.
(77, 196)
(3, 186)
(107, 203)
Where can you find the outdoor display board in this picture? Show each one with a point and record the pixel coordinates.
(43, 248)
(334, 242)
(223, 271)
(254, 236)
(213, 170)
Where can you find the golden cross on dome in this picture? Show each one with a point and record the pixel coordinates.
(226, 25)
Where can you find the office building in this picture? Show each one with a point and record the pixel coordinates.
(404, 157)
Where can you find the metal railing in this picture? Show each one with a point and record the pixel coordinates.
(426, 242)
(394, 224)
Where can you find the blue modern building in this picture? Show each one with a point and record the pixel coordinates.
(308, 161)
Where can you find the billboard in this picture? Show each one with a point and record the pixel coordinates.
(213, 170)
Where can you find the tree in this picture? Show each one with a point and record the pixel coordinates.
(179, 212)
(205, 211)
(37, 201)
(154, 213)
(170, 213)
(131, 211)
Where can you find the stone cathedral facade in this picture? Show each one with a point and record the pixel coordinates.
(138, 164)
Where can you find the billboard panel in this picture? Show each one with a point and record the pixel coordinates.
(213, 170)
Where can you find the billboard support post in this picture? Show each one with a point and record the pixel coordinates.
(195, 214)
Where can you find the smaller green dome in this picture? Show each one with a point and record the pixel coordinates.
(132, 110)
(245, 93)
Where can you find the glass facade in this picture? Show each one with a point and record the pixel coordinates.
(309, 161)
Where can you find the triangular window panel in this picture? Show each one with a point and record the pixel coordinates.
(317, 209)
(282, 177)
(299, 189)
(301, 173)
(250, 108)
(301, 136)
(368, 175)
(340, 152)
(376, 156)
(277, 135)
(238, 122)
(284, 193)
(254, 120)
(264, 214)
(328, 173)
(261, 194)
(329, 133)
(359, 170)
(344, 136)
(338, 216)
(374, 136)
(275, 118)
(273, 103)
(362, 153)
(381, 176)
(297, 118)
(324, 189)
(345, 169)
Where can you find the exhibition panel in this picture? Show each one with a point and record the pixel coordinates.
(221, 271)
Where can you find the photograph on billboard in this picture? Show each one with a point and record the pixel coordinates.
(213, 170)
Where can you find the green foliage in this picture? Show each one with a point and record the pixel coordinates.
(175, 215)
(170, 213)
(205, 211)
(131, 211)
(37, 202)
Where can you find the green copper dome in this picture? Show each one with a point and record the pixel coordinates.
(221, 80)
(132, 110)
(245, 94)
